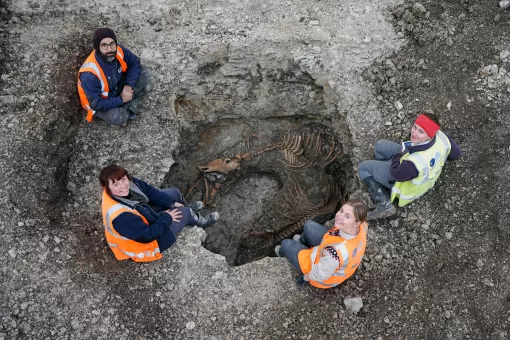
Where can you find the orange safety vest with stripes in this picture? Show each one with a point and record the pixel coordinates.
(350, 254)
(91, 65)
(122, 247)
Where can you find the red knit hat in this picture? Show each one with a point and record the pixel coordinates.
(428, 125)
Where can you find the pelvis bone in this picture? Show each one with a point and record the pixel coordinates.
(223, 165)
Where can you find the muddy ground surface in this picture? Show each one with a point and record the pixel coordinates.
(438, 270)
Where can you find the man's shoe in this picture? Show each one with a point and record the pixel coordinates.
(297, 238)
(277, 250)
(204, 222)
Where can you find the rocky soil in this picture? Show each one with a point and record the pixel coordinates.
(439, 270)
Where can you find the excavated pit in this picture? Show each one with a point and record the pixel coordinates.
(279, 146)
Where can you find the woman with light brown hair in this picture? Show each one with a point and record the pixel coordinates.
(325, 258)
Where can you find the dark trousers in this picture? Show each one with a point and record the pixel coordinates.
(313, 233)
(121, 114)
(379, 168)
(188, 216)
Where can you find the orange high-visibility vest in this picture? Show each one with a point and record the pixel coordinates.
(122, 247)
(350, 254)
(91, 65)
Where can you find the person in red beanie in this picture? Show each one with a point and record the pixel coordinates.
(407, 170)
(111, 80)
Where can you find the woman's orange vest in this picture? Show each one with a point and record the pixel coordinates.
(124, 248)
(350, 255)
(91, 65)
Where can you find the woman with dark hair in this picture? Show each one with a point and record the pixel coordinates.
(141, 221)
(326, 258)
(409, 169)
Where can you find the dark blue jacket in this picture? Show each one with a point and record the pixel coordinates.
(113, 73)
(405, 171)
(132, 226)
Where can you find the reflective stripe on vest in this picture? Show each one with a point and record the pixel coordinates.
(342, 250)
(109, 220)
(429, 164)
(137, 255)
(120, 58)
(122, 247)
(345, 256)
(446, 142)
(91, 65)
(405, 197)
(94, 68)
(350, 253)
(417, 158)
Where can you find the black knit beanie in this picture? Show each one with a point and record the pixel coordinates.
(100, 34)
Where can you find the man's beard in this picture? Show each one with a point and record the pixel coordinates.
(108, 57)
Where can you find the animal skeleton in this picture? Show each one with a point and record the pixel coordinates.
(305, 151)
(222, 165)
(294, 147)
(299, 151)
(300, 209)
(210, 194)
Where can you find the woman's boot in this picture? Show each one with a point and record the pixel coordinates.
(195, 205)
(381, 198)
(204, 222)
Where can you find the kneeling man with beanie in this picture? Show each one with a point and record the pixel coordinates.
(111, 80)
